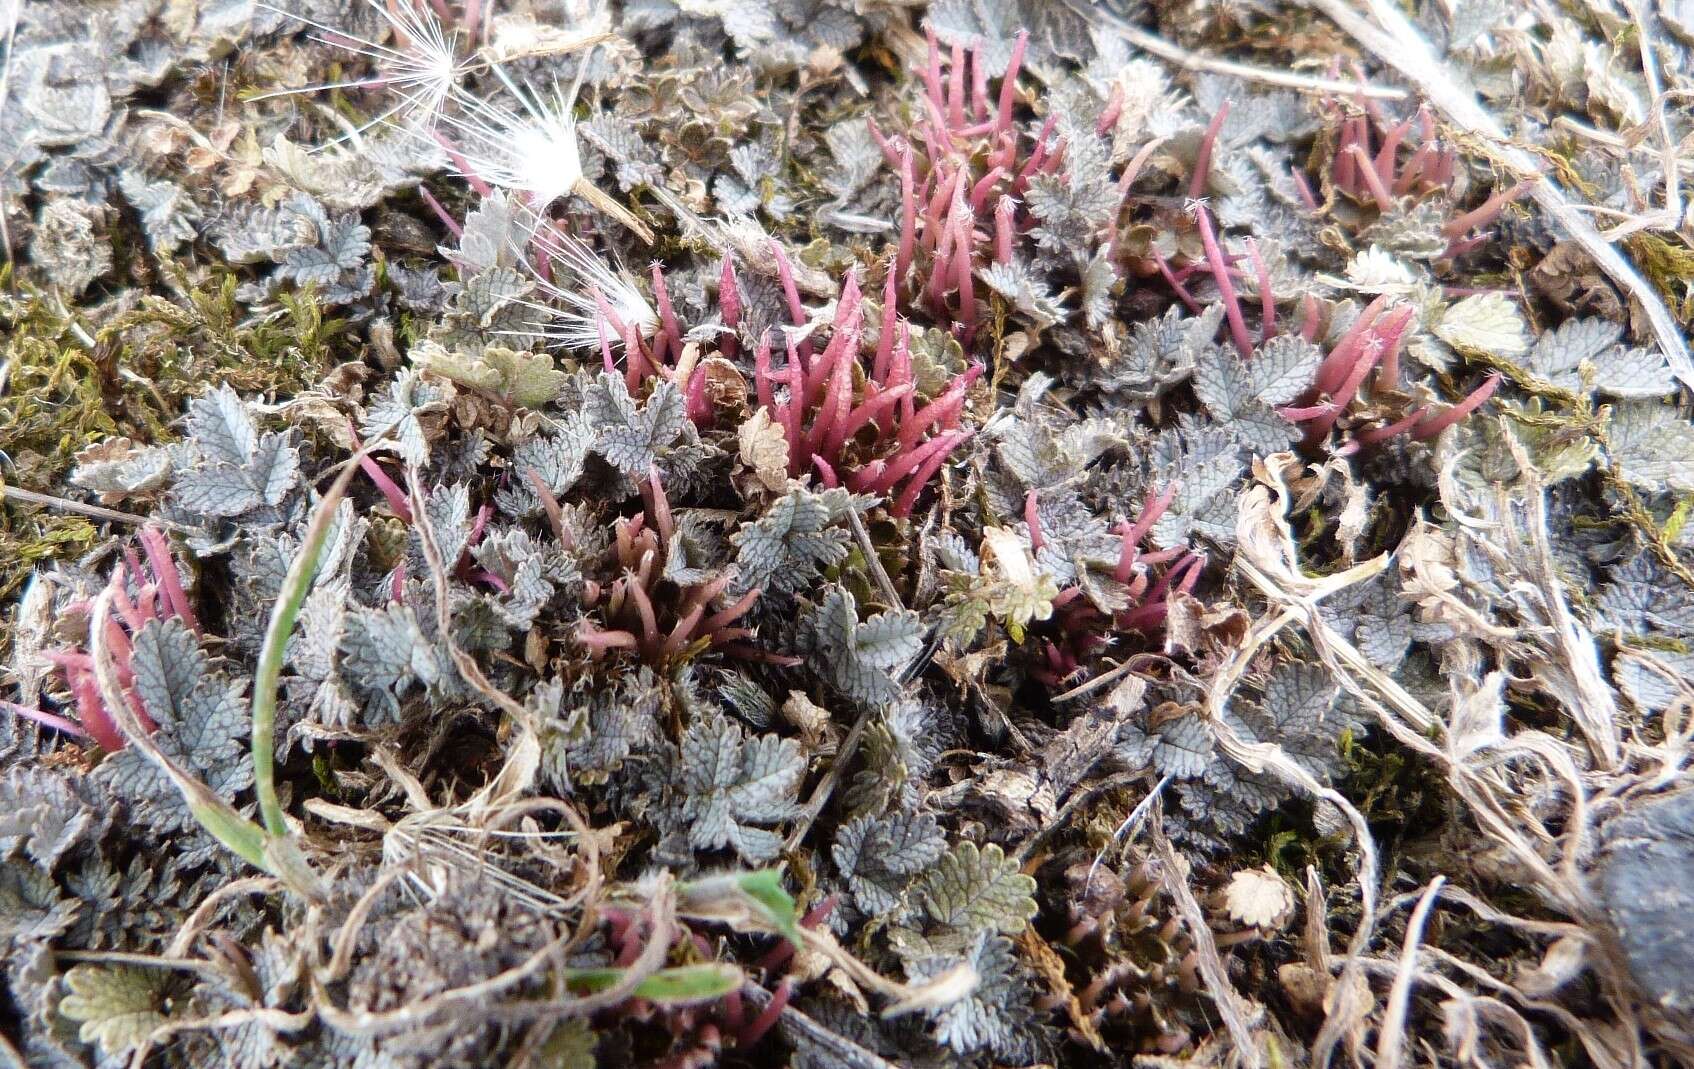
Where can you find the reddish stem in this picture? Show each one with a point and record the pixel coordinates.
(1203, 158)
(1433, 426)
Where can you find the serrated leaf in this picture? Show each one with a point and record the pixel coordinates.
(631, 438)
(1652, 445)
(118, 1006)
(971, 890)
(878, 857)
(858, 657)
(1483, 322)
(787, 548)
(734, 786)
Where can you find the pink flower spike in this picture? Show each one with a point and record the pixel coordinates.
(1393, 334)
(720, 620)
(121, 604)
(441, 213)
(865, 480)
(956, 88)
(1220, 276)
(833, 412)
(1436, 424)
(1486, 212)
(907, 462)
(644, 609)
(1136, 163)
(762, 373)
(1309, 318)
(659, 506)
(1032, 519)
(983, 187)
(1267, 299)
(890, 148)
(463, 166)
(1050, 164)
(1203, 158)
(91, 712)
(1333, 371)
(963, 275)
(1345, 165)
(908, 218)
(598, 642)
(1109, 114)
(45, 719)
(1383, 165)
(926, 472)
(396, 497)
(1130, 547)
(826, 474)
(1380, 434)
(1003, 230)
(683, 630)
(602, 322)
(767, 1016)
(982, 124)
(671, 334)
(1008, 84)
(791, 293)
(1298, 414)
(885, 332)
(1372, 180)
(1304, 188)
(932, 70)
(791, 411)
(873, 408)
(1176, 285)
(694, 397)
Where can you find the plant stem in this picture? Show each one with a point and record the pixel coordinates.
(295, 587)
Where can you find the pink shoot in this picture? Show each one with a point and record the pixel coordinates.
(1032, 519)
(1434, 425)
(671, 335)
(46, 719)
(1267, 299)
(1220, 276)
(1486, 212)
(1203, 158)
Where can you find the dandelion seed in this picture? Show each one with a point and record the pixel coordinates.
(422, 67)
(573, 310)
(532, 150)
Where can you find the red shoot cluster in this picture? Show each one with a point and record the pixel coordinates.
(159, 595)
(836, 413)
(642, 615)
(961, 176)
(1380, 163)
(1079, 627)
(1373, 342)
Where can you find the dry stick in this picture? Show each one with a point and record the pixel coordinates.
(98, 512)
(1195, 61)
(1235, 1013)
(1398, 43)
(1393, 1031)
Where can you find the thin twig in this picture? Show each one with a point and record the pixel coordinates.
(98, 512)
(1393, 1031)
(1235, 1012)
(1196, 61)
